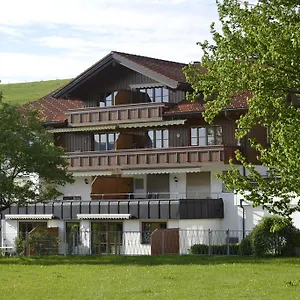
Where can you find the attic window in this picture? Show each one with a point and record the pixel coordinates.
(153, 94)
(107, 99)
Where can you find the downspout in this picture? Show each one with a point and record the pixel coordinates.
(244, 151)
(243, 217)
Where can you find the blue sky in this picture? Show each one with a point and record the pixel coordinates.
(41, 40)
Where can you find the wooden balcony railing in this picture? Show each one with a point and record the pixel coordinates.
(125, 113)
(149, 158)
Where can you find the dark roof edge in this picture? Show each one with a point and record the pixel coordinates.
(201, 112)
(81, 77)
(56, 123)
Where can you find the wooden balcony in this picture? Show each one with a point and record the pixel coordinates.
(125, 113)
(149, 158)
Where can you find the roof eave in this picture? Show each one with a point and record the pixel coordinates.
(145, 71)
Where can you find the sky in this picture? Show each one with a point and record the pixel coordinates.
(43, 40)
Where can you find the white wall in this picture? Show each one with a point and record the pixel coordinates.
(9, 232)
(195, 232)
(132, 239)
(78, 188)
(177, 189)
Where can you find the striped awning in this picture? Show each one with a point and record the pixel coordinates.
(92, 173)
(162, 171)
(152, 124)
(83, 128)
(29, 217)
(103, 216)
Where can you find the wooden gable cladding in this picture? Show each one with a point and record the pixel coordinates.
(112, 78)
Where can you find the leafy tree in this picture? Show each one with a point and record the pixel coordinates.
(31, 166)
(258, 50)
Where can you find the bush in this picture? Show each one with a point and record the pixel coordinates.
(20, 245)
(214, 249)
(245, 247)
(40, 242)
(199, 249)
(43, 243)
(274, 236)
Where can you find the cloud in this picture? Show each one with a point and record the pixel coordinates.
(61, 38)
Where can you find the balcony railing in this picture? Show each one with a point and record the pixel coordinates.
(125, 113)
(137, 209)
(153, 196)
(149, 158)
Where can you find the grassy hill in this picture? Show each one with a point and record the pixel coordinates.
(20, 93)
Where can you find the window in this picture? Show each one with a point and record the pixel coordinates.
(148, 228)
(72, 236)
(105, 141)
(159, 94)
(107, 99)
(205, 136)
(159, 138)
(28, 226)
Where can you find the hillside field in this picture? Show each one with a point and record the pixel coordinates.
(20, 93)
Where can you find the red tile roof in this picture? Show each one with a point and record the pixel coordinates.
(53, 110)
(169, 69)
(239, 101)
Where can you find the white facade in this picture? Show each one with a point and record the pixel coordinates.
(190, 185)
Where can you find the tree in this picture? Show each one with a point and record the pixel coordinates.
(31, 166)
(258, 50)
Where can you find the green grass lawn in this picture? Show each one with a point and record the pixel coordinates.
(169, 277)
(20, 93)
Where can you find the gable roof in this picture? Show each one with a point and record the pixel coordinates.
(53, 110)
(167, 72)
(238, 101)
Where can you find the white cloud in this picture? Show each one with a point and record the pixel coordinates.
(81, 32)
(37, 67)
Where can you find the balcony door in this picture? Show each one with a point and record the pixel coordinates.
(107, 237)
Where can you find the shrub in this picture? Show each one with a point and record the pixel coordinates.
(245, 246)
(199, 249)
(43, 243)
(40, 242)
(220, 249)
(20, 245)
(274, 236)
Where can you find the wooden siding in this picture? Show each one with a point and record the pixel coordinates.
(260, 134)
(149, 158)
(115, 78)
(117, 187)
(75, 141)
(179, 136)
(176, 96)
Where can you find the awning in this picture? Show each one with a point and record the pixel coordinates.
(152, 124)
(29, 217)
(103, 216)
(161, 171)
(84, 128)
(92, 173)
